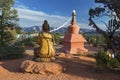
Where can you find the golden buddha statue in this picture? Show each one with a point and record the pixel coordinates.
(46, 50)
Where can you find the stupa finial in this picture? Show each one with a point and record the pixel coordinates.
(73, 17)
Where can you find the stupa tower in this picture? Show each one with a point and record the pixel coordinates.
(73, 41)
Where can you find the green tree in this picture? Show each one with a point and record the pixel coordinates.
(110, 7)
(8, 19)
(57, 38)
(18, 29)
(113, 5)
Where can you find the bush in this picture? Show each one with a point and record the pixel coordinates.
(103, 60)
(95, 39)
(12, 52)
(30, 41)
(57, 38)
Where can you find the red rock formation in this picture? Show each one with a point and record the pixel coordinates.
(42, 68)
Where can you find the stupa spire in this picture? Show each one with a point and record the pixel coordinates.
(73, 17)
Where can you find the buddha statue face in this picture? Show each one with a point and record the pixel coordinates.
(45, 26)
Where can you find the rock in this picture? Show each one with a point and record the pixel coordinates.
(41, 67)
(69, 56)
(62, 55)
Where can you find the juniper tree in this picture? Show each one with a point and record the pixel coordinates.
(113, 5)
(8, 19)
(111, 8)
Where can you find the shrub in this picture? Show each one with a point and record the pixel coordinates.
(103, 60)
(30, 41)
(57, 38)
(12, 52)
(95, 39)
(94, 42)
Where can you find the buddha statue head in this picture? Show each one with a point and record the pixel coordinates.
(45, 26)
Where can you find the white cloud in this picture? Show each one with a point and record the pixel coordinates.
(22, 7)
(18, 4)
(84, 25)
(102, 26)
(30, 17)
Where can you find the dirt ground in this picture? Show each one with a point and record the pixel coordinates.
(78, 68)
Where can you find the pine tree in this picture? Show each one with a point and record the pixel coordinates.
(113, 5)
(8, 19)
(112, 27)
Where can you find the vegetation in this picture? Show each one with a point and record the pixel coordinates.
(8, 31)
(57, 37)
(12, 52)
(103, 59)
(8, 19)
(110, 7)
(113, 5)
(113, 26)
(95, 39)
(18, 29)
(32, 41)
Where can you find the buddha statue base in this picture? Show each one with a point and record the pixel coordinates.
(42, 58)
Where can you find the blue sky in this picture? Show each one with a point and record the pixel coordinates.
(57, 12)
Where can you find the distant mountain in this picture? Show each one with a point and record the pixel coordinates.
(88, 31)
(32, 29)
(62, 30)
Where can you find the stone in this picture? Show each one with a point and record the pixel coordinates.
(43, 68)
(62, 55)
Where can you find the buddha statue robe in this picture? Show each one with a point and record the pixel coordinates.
(46, 50)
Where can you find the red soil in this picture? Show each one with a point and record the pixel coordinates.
(78, 68)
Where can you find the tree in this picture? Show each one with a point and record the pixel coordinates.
(111, 8)
(18, 29)
(8, 19)
(112, 5)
